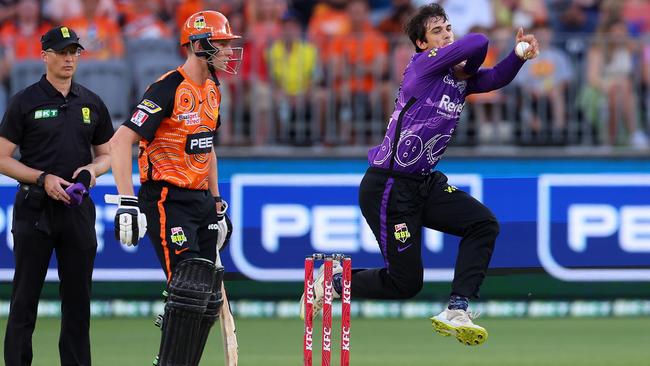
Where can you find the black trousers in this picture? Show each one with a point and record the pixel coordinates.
(181, 223)
(42, 226)
(396, 207)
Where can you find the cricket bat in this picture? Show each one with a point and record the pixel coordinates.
(228, 332)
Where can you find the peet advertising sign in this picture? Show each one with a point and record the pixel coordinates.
(578, 227)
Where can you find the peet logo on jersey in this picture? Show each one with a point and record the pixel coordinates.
(149, 106)
(190, 119)
(199, 143)
(139, 117)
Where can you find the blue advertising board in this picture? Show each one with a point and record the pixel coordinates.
(578, 222)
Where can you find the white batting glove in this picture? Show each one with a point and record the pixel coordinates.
(224, 226)
(130, 223)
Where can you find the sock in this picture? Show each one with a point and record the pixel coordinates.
(457, 302)
(336, 283)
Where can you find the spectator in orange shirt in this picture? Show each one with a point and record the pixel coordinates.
(100, 33)
(20, 37)
(7, 9)
(358, 63)
(329, 19)
(142, 21)
(59, 11)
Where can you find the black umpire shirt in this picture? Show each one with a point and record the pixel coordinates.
(55, 133)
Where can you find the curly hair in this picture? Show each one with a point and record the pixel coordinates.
(416, 28)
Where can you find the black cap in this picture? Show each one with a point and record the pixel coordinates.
(59, 38)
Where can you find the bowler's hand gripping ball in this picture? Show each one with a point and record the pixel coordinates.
(521, 48)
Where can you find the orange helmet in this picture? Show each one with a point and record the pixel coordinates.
(206, 24)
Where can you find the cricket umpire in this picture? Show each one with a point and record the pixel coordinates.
(62, 130)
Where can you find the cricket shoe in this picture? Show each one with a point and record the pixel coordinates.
(458, 323)
(319, 294)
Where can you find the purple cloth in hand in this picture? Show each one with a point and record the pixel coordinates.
(76, 192)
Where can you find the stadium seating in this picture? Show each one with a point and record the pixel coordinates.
(25, 73)
(111, 81)
(146, 71)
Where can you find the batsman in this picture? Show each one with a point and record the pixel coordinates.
(178, 204)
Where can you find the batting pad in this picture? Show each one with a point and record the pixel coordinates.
(215, 302)
(190, 288)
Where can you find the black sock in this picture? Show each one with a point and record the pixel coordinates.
(457, 302)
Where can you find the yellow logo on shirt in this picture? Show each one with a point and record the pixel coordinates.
(85, 113)
(65, 32)
(433, 53)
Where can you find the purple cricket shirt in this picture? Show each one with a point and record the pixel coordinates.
(430, 101)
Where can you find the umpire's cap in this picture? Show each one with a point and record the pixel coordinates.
(59, 38)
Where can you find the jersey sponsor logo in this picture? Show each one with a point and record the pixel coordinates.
(139, 117)
(149, 106)
(178, 236)
(199, 143)
(190, 119)
(46, 113)
(85, 113)
(450, 109)
(460, 85)
(213, 227)
(402, 232)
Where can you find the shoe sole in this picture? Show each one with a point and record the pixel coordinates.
(466, 335)
(316, 310)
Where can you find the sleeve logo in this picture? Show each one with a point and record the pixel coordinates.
(149, 106)
(139, 117)
(433, 53)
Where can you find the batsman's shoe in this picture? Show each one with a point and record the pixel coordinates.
(458, 323)
(319, 294)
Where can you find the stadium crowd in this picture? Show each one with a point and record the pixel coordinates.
(325, 73)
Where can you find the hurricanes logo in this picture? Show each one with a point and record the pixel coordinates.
(65, 32)
(199, 22)
(450, 189)
(402, 232)
(178, 236)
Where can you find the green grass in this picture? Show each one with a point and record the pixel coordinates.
(516, 342)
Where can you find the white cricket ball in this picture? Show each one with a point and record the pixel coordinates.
(520, 49)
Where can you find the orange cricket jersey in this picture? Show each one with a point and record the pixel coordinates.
(177, 121)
